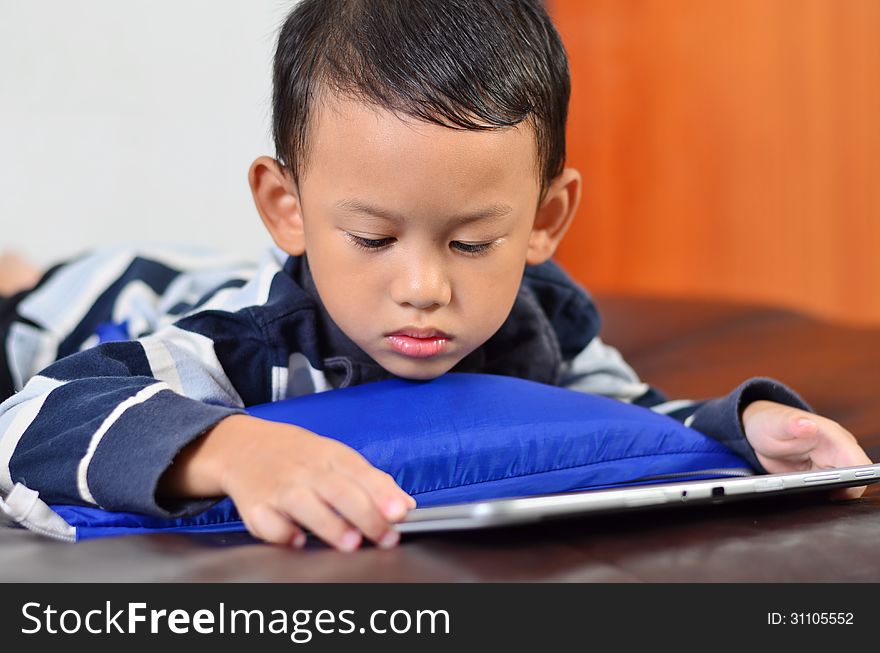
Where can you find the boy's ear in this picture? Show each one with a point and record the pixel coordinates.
(554, 216)
(277, 201)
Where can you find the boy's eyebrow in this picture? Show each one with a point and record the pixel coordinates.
(492, 211)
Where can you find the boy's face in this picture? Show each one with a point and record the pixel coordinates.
(416, 235)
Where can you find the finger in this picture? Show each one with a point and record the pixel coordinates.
(801, 434)
(801, 426)
(381, 487)
(785, 437)
(352, 502)
(308, 509)
(848, 493)
(839, 447)
(268, 524)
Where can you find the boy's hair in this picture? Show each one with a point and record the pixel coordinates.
(464, 64)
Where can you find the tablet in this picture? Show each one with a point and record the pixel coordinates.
(504, 512)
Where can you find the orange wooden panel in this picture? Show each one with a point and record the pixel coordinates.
(730, 149)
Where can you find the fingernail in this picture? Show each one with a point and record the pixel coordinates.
(390, 539)
(395, 509)
(299, 540)
(350, 541)
(803, 422)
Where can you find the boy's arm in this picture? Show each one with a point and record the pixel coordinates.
(600, 369)
(122, 424)
(100, 427)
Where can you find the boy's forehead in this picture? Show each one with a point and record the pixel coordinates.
(366, 146)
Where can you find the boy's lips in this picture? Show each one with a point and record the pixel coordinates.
(420, 332)
(418, 342)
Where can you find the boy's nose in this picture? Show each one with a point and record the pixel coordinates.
(422, 286)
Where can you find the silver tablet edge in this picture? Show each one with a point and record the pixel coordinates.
(496, 512)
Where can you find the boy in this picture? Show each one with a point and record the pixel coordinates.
(419, 173)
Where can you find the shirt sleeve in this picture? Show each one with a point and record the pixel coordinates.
(100, 427)
(600, 369)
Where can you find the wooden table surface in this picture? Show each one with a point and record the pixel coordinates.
(689, 349)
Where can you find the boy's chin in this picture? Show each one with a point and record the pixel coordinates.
(419, 369)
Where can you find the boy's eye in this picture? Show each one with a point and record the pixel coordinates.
(473, 248)
(369, 243)
(374, 244)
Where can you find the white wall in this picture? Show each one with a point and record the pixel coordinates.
(133, 121)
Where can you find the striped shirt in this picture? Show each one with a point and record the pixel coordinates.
(120, 359)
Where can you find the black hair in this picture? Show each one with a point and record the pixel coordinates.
(464, 64)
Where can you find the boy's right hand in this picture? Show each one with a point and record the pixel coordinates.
(281, 477)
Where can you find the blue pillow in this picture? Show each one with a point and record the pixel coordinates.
(466, 437)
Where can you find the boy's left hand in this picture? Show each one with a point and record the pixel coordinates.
(787, 439)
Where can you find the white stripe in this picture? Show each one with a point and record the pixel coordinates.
(20, 411)
(630, 392)
(600, 369)
(92, 341)
(189, 260)
(189, 287)
(201, 374)
(219, 301)
(671, 406)
(83, 470)
(319, 379)
(28, 350)
(271, 263)
(254, 293)
(265, 284)
(24, 506)
(161, 363)
(279, 383)
(690, 420)
(75, 288)
(136, 304)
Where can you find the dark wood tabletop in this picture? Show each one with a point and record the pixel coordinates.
(687, 348)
